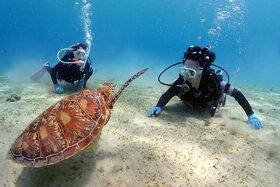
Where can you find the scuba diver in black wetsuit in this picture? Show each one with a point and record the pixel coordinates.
(199, 86)
(74, 67)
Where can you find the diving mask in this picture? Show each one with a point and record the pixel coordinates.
(80, 54)
(192, 75)
(187, 72)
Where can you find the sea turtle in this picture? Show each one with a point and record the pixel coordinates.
(66, 127)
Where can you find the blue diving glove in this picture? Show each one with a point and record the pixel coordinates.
(154, 111)
(58, 89)
(79, 84)
(254, 122)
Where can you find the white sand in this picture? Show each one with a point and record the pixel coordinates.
(179, 148)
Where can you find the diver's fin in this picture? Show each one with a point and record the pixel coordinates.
(37, 75)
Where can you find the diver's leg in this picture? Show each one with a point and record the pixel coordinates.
(47, 67)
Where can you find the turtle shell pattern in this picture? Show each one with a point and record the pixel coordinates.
(62, 130)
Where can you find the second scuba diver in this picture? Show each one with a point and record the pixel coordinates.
(74, 67)
(199, 86)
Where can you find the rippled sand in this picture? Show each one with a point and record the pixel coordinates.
(178, 148)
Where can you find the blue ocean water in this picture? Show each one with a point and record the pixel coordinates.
(244, 34)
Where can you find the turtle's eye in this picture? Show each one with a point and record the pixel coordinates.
(112, 86)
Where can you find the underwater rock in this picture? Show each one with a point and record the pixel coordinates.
(13, 98)
(261, 110)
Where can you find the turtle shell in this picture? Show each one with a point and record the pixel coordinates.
(62, 130)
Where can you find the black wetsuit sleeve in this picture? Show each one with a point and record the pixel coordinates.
(88, 72)
(54, 72)
(243, 102)
(59, 66)
(171, 92)
(236, 94)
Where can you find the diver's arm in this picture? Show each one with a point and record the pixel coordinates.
(54, 71)
(238, 96)
(88, 72)
(171, 92)
(253, 120)
(243, 102)
(58, 66)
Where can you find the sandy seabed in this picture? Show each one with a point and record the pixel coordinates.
(180, 147)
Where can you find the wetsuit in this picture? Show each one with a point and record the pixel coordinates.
(205, 96)
(70, 72)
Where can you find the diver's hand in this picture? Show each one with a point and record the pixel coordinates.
(254, 122)
(58, 89)
(154, 111)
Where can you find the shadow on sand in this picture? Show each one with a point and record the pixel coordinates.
(72, 172)
(179, 113)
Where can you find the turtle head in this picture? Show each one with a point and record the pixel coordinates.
(106, 90)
